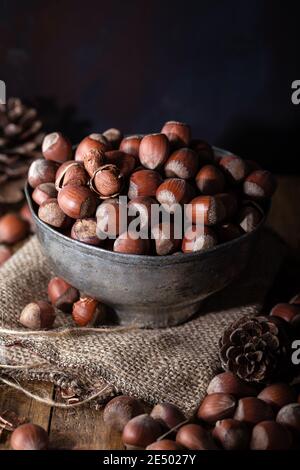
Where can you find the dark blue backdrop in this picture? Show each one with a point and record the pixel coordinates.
(226, 67)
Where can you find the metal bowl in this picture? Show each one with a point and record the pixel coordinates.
(147, 291)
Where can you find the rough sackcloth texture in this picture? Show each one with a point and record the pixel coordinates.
(172, 364)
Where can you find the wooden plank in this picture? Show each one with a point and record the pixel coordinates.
(82, 428)
(26, 407)
(285, 212)
(284, 218)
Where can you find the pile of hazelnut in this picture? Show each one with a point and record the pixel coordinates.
(233, 416)
(75, 190)
(40, 314)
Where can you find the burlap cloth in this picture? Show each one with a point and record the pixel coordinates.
(172, 364)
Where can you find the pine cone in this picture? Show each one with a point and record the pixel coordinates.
(20, 143)
(255, 348)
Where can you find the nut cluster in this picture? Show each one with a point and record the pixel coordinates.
(166, 168)
(39, 315)
(233, 416)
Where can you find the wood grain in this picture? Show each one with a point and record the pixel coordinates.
(23, 406)
(284, 216)
(82, 428)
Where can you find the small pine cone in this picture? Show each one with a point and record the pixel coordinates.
(255, 348)
(20, 143)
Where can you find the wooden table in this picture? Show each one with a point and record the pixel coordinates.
(83, 428)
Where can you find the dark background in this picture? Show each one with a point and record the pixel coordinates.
(226, 67)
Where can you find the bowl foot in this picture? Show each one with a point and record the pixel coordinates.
(155, 317)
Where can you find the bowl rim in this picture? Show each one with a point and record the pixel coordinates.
(144, 259)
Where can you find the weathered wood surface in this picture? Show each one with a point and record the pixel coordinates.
(83, 427)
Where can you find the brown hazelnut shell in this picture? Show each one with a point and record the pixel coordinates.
(12, 228)
(107, 181)
(120, 410)
(29, 437)
(56, 147)
(77, 202)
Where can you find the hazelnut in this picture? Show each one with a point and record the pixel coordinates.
(41, 171)
(141, 431)
(154, 150)
(253, 410)
(91, 144)
(107, 181)
(12, 228)
(230, 203)
(210, 180)
(113, 136)
(231, 434)
(216, 406)
(108, 218)
(165, 239)
(141, 207)
(286, 311)
(269, 435)
(259, 184)
(227, 382)
(71, 172)
(51, 213)
(93, 161)
(295, 300)
(195, 437)
(25, 214)
(120, 410)
(204, 151)
(85, 231)
(77, 202)
(209, 210)
(144, 183)
(182, 164)
(289, 417)
(249, 218)
(62, 295)
(43, 192)
(168, 415)
(278, 395)
(178, 133)
(29, 437)
(124, 161)
(228, 232)
(5, 254)
(37, 315)
(174, 191)
(235, 168)
(57, 147)
(198, 239)
(295, 323)
(131, 144)
(84, 310)
(127, 243)
(164, 444)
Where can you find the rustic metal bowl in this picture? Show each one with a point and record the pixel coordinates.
(147, 291)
